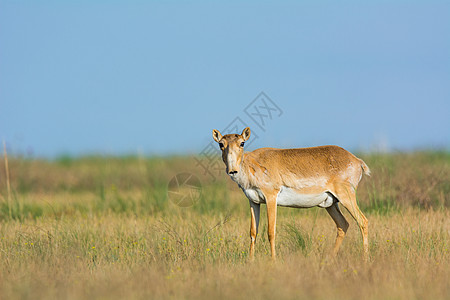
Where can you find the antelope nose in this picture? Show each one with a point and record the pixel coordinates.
(232, 172)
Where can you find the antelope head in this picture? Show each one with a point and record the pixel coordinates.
(232, 147)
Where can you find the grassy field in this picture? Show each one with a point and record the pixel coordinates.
(103, 228)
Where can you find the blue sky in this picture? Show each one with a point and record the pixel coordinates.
(121, 77)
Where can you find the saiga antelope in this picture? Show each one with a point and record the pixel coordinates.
(302, 178)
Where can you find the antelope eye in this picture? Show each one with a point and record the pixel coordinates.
(220, 145)
(242, 144)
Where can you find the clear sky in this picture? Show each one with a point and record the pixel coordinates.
(155, 77)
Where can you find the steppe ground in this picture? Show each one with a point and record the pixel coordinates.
(103, 228)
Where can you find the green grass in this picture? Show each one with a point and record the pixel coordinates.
(104, 228)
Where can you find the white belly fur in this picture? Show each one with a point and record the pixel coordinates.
(291, 198)
(254, 195)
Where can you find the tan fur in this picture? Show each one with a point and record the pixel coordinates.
(306, 171)
(252, 232)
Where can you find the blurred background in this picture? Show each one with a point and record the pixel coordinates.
(112, 188)
(126, 77)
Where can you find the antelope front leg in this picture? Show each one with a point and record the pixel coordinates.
(254, 210)
(271, 203)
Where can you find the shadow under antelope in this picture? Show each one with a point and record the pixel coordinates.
(302, 178)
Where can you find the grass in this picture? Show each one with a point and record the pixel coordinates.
(103, 228)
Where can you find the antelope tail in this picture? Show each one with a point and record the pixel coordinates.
(365, 167)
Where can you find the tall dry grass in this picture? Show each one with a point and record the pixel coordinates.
(103, 228)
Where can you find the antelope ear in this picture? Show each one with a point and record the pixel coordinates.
(246, 133)
(216, 135)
